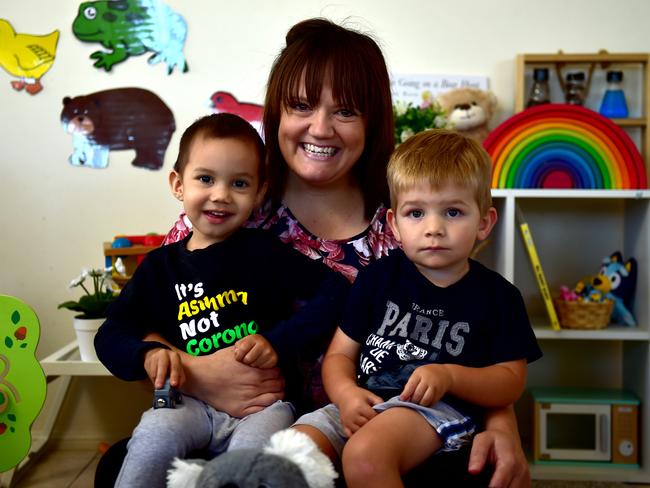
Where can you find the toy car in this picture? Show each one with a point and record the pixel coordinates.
(166, 397)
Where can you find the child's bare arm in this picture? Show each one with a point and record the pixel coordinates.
(492, 386)
(339, 378)
(160, 363)
(254, 350)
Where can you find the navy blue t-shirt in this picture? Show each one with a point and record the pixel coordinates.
(204, 300)
(403, 321)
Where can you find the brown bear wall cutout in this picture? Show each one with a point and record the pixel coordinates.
(118, 119)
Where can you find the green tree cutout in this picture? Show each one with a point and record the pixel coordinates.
(22, 382)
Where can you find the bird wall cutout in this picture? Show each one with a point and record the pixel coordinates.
(225, 102)
(26, 57)
(118, 119)
(131, 28)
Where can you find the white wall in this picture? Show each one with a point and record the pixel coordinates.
(54, 217)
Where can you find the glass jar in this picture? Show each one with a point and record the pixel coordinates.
(613, 104)
(539, 92)
(574, 88)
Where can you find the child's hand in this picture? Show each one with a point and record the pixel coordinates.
(427, 385)
(159, 362)
(254, 350)
(357, 409)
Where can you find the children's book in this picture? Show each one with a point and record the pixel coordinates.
(537, 269)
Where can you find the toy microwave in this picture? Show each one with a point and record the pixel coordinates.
(585, 425)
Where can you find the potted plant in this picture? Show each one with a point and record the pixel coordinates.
(411, 119)
(91, 307)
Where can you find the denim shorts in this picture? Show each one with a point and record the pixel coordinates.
(454, 428)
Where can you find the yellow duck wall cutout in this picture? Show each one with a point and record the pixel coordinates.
(27, 57)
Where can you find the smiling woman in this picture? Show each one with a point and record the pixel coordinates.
(328, 127)
(322, 142)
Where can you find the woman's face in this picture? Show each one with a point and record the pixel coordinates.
(321, 143)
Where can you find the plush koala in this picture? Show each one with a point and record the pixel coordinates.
(469, 110)
(290, 460)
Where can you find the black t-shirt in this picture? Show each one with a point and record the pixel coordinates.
(204, 300)
(403, 321)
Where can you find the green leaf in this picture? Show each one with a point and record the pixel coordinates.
(9, 342)
(15, 317)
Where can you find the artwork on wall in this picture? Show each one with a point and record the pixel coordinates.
(118, 119)
(414, 88)
(225, 102)
(26, 57)
(131, 28)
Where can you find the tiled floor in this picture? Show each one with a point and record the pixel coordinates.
(60, 468)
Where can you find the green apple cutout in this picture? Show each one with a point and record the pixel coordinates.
(22, 381)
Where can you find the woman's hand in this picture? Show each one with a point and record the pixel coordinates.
(230, 386)
(500, 446)
(226, 384)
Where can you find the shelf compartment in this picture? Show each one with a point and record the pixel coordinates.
(610, 333)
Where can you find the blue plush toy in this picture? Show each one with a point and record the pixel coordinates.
(616, 280)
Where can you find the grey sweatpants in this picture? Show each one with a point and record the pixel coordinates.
(166, 433)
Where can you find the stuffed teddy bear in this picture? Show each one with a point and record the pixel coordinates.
(291, 459)
(469, 110)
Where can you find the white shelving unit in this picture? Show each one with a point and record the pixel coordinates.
(573, 230)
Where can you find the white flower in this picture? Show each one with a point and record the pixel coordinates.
(79, 279)
(400, 107)
(406, 133)
(440, 121)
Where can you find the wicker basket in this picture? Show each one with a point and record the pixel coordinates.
(583, 315)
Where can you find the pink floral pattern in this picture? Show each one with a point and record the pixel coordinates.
(181, 229)
(344, 256)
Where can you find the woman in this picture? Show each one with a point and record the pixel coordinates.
(329, 133)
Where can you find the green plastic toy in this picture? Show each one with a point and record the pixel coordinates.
(22, 381)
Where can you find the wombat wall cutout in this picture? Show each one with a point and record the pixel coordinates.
(118, 119)
(130, 28)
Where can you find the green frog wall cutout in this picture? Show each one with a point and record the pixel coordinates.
(131, 28)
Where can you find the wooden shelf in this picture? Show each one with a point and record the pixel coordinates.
(134, 250)
(131, 257)
(595, 62)
(575, 58)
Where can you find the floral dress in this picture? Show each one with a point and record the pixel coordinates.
(345, 256)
